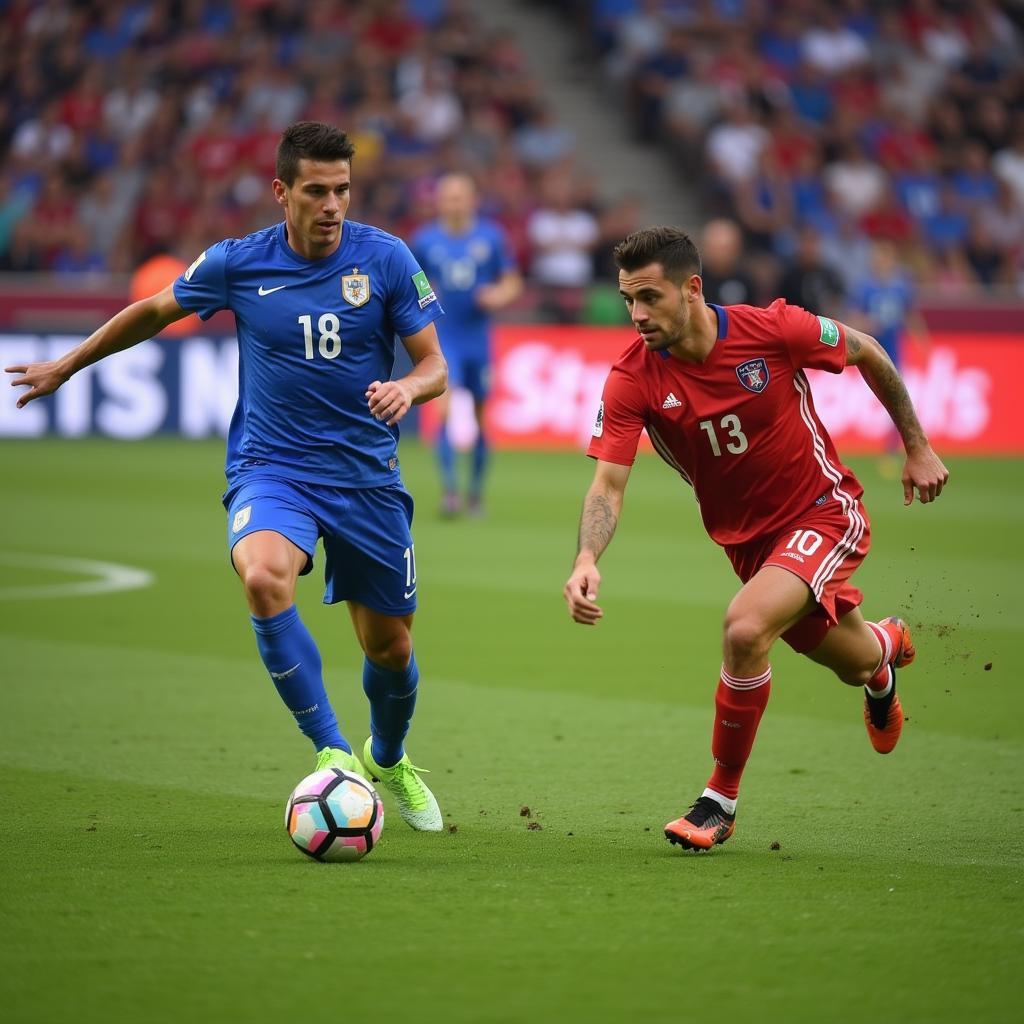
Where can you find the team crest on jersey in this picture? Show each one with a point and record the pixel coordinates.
(355, 289)
(753, 375)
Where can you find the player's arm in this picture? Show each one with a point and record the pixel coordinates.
(498, 294)
(390, 400)
(135, 323)
(601, 509)
(923, 469)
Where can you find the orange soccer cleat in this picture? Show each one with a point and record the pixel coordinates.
(704, 825)
(883, 717)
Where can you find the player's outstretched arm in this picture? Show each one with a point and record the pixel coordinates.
(923, 469)
(390, 400)
(492, 297)
(601, 509)
(135, 323)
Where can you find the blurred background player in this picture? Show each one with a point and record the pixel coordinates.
(723, 397)
(883, 303)
(468, 259)
(312, 449)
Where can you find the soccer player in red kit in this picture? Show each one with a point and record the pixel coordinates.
(722, 394)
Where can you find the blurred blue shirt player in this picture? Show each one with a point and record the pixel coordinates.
(468, 259)
(312, 447)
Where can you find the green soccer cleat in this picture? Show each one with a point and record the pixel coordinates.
(335, 757)
(415, 802)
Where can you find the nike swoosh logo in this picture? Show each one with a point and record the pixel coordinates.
(409, 593)
(287, 672)
(270, 291)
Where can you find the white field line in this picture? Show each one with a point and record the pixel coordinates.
(107, 577)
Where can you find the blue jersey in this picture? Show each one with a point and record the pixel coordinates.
(888, 303)
(312, 336)
(458, 265)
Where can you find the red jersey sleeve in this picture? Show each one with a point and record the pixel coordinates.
(812, 341)
(620, 419)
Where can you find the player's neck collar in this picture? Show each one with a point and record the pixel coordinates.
(723, 319)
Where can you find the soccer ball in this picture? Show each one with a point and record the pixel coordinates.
(334, 815)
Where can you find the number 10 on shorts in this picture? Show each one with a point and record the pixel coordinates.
(805, 541)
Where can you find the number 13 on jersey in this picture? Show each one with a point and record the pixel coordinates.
(330, 340)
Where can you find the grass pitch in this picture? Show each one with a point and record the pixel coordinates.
(144, 763)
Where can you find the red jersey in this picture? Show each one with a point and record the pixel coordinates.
(741, 426)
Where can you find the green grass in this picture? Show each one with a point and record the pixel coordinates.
(145, 760)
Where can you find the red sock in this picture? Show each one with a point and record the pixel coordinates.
(739, 704)
(888, 637)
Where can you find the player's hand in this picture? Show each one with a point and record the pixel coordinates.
(581, 594)
(488, 298)
(40, 378)
(924, 472)
(389, 401)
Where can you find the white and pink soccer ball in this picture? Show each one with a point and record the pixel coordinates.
(334, 815)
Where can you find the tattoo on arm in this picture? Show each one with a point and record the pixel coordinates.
(597, 524)
(884, 380)
(852, 344)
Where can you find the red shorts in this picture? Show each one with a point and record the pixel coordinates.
(823, 548)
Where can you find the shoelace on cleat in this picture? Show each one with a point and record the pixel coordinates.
(404, 775)
(324, 758)
(704, 812)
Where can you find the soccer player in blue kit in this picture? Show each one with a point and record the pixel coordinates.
(469, 260)
(312, 446)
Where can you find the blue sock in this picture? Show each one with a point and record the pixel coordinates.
(481, 454)
(293, 661)
(446, 457)
(392, 697)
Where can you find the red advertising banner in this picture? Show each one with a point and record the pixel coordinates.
(547, 384)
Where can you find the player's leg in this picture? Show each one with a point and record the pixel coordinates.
(766, 606)
(477, 382)
(270, 540)
(390, 682)
(371, 564)
(450, 503)
(390, 679)
(867, 654)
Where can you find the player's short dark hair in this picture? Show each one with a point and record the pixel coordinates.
(671, 247)
(310, 140)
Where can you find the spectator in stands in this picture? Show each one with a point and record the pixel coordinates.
(735, 144)
(831, 46)
(654, 80)
(808, 280)
(727, 282)
(563, 236)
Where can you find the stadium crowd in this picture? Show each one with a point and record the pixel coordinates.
(837, 136)
(845, 132)
(130, 128)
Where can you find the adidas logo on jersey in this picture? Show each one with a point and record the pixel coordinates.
(671, 402)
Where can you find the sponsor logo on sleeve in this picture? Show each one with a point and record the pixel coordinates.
(829, 332)
(753, 375)
(424, 293)
(195, 266)
(241, 520)
(599, 422)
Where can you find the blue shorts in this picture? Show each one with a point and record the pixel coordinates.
(472, 372)
(366, 534)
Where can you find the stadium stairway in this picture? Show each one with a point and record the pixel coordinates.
(580, 96)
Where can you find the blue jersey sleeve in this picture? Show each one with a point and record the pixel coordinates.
(412, 303)
(203, 288)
